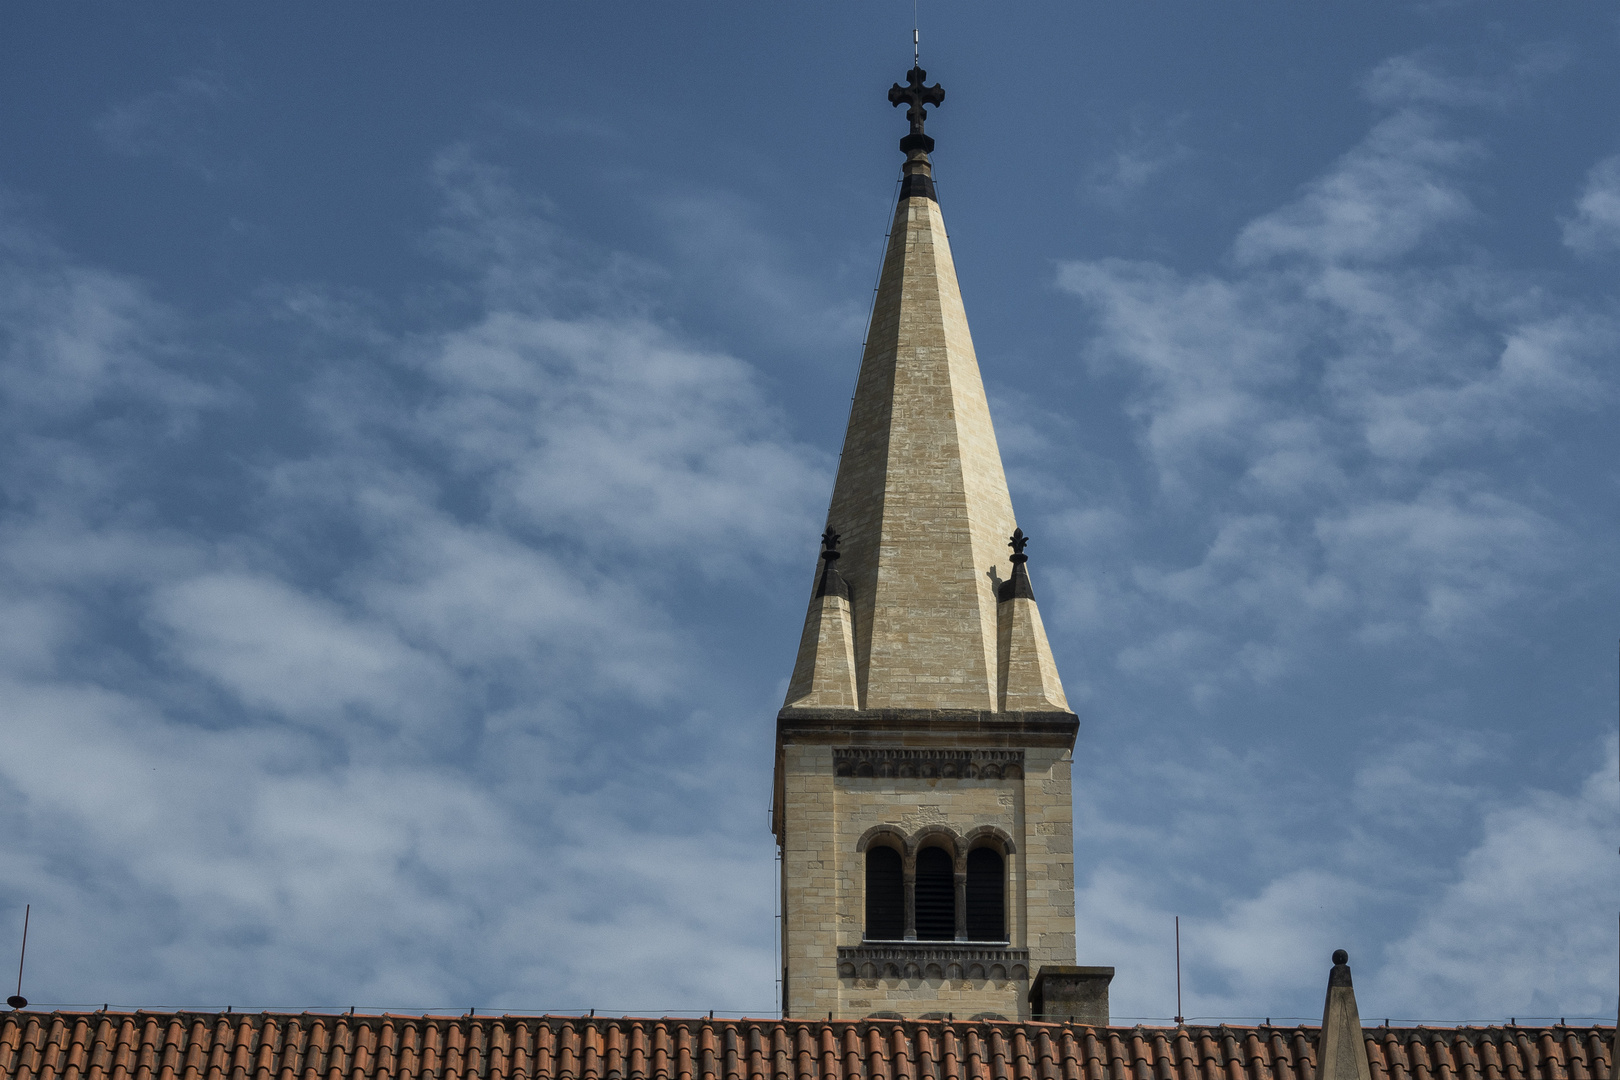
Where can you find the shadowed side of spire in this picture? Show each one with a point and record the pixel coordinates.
(1342, 1052)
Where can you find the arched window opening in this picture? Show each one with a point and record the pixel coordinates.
(885, 895)
(986, 895)
(936, 895)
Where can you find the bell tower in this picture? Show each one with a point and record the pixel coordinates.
(922, 802)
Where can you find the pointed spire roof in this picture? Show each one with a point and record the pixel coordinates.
(920, 501)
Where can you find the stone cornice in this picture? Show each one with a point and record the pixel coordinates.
(922, 726)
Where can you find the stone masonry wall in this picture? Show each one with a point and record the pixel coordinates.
(825, 818)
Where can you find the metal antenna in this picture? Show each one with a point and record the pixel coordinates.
(17, 1001)
(916, 44)
(1179, 1018)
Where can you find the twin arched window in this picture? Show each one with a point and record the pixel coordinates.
(941, 908)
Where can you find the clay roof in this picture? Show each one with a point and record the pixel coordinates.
(268, 1046)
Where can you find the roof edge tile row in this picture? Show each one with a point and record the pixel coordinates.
(317, 1046)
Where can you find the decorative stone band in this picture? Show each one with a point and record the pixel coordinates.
(928, 763)
(932, 960)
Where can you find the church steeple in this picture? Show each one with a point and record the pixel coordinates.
(921, 499)
(923, 753)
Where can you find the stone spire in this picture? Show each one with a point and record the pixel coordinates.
(921, 501)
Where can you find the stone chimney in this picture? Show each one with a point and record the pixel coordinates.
(1077, 995)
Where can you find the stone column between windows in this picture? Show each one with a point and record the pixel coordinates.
(908, 886)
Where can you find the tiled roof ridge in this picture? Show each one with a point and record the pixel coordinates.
(1422, 1032)
(182, 1045)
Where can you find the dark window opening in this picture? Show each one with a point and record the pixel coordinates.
(885, 895)
(936, 895)
(986, 896)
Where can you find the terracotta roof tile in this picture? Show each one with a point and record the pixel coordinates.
(208, 1046)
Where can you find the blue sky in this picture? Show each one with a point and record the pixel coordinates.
(418, 420)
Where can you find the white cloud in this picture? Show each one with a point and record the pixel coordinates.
(71, 336)
(609, 432)
(1146, 153)
(1327, 412)
(1440, 561)
(163, 121)
(1595, 226)
(1378, 202)
(1353, 438)
(301, 656)
(1516, 932)
(1269, 875)
(406, 709)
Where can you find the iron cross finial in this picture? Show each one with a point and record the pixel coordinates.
(916, 95)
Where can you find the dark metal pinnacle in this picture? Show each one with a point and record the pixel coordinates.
(832, 583)
(1017, 587)
(915, 95)
(1018, 542)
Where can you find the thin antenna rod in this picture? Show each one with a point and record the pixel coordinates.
(916, 42)
(1179, 1018)
(17, 1001)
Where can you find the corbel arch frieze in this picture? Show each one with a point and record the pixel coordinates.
(927, 763)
